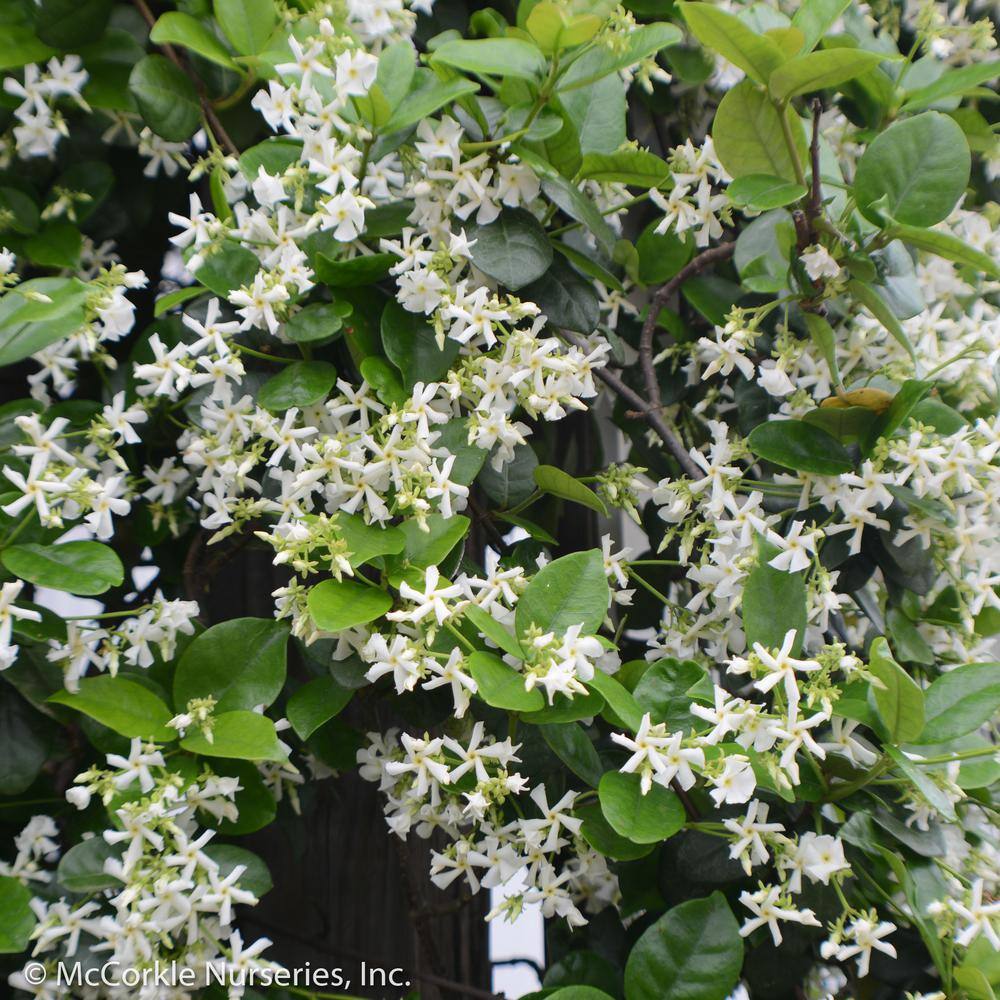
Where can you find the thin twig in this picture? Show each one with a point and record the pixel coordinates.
(653, 417)
(211, 118)
(654, 401)
(815, 209)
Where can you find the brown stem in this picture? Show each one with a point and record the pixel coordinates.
(815, 209)
(206, 105)
(653, 417)
(653, 403)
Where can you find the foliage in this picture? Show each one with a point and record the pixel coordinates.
(343, 282)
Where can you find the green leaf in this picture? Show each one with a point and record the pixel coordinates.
(796, 445)
(18, 919)
(85, 568)
(81, 868)
(826, 341)
(948, 246)
(644, 819)
(515, 481)
(578, 993)
(507, 57)
(396, 66)
(566, 298)
(573, 747)
(165, 97)
(57, 244)
(693, 952)
(336, 605)
(950, 83)
(122, 705)
(618, 699)
(353, 273)
(581, 208)
(256, 878)
(564, 709)
(382, 377)
(176, 298)
(513, 249)
(25, 740)
(819, 70)
(665, 691)
(569, 591)
(757, 55)
(487, 625)
(910, 393)
(637, 167)
(178, 28)
(773, 603)
(561, 484)
(316, 703)
(20, 212)
(320, 322)
(599, 833)
(555, 28)
(749, 138)
(429, 96)
(241, 663)
(900, 701)
(923, 783)
(275, 154)
(914, 172)
(428, 546)
(763, 192)
(411, 345)
(69, 24)
(366, 541)
(248, 24)
(28, 325)
(303, 383)
(603, 63)
(502, 686)
(592, 97)
(661, 256)
(961, 701)
(229, 266)
(815, 17)
(19, 45)
(239, 735)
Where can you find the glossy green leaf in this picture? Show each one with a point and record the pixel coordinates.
(241, 663)
(644, 819)
(819, 70)
(28, 325)
(960, 701)
(796, 445)
(561, 484)
(178, 28)
(618, 699)
(248, 24)
(70, 24)
(947, 246)
(573, 747)
(166, 98)
(693, 952)
(502, 686)
(749, 138)
(764, 191)
(757, 55)
(336, 605)
(81, 868)
(122, 705)
(303, 383)
(814, 18)
(665, 691)
(636, 167)
(316, 703)
(256, 877)
(85, 568)
(914, 172)
(900, 701)
(513, 249)
(950, 83)
(507, 57)
(922, 781)
(773, 602)
(569, 591)
(321, 321)
(411, 345)
(239, 735)
(429, 95)
(18, 918)
(602, 836)
(486, 624)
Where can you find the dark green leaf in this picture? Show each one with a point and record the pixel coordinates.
(85, 568)
(165, 97)
(796, 445)
(303, 383)
(961, 701)
(513, 249)
(569, 591)
(644, 819)
(502, 686)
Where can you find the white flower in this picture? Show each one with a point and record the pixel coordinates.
(430, 601)
(768, 909)
(736, 783)
(863, 936)
(657, 756)
(819, 263)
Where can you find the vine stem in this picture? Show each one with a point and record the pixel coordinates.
(208, 112)
(652, 406)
